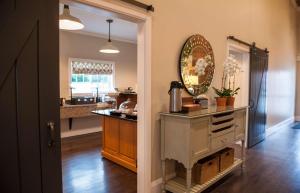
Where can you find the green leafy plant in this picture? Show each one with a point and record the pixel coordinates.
(226, 92)
(223, 92)
(234, 92)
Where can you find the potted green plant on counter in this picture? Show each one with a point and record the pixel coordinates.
(223, 94)
(231, 98)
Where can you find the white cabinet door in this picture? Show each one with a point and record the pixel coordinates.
(199, 136)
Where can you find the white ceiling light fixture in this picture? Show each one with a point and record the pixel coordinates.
(109, 48)
(69, 22)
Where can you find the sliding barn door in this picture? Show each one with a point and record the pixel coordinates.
(257, 95)
(29, 97)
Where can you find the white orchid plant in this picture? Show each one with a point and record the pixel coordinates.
(231, 68)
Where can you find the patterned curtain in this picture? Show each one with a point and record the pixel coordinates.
(88, 67)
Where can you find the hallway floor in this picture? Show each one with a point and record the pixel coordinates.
(272, 166)
(85, 171)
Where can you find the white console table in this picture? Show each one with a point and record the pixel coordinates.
(189, 137)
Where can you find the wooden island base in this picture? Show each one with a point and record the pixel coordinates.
(119, 140)
(121, 161)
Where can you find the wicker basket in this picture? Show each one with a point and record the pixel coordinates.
(226, 158)
(202, 171)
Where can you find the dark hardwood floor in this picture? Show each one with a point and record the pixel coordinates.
(85, 171)
(272, 166)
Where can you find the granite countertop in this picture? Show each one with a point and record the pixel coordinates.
(106, 112)
(211, 110)
(84, 110)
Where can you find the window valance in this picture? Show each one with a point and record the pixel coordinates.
(91, 67)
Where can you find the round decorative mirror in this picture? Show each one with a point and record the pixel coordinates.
(196, 65)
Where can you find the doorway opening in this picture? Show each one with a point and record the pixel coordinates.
(241, 54)
(85, 81)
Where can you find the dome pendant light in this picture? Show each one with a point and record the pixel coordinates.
(69, 22)
(109, 48)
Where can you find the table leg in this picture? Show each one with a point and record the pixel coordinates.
(163, 186)
(188, 179)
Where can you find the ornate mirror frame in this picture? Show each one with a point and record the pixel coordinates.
(196, 50)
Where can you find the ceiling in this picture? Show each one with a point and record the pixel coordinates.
(95, 24)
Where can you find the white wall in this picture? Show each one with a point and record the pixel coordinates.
(270, 23)
(74, 45)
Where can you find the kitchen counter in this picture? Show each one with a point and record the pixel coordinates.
(78, 111)
(97, 105)
(74, 111)
(106, 112)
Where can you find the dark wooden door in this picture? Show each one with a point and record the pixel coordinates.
(29, 97)
(257, 95)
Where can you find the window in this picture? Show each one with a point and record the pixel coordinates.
(88, 75)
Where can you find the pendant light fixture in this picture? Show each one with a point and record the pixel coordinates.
(109, 48)
(69, 22)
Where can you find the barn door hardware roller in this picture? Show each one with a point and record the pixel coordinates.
(140, 5)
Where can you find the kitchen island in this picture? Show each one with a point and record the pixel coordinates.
(119, 139)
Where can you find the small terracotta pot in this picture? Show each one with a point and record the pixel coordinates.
(221, 101)
(230, 101)
(221, 108)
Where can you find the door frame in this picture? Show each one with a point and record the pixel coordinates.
(245, 51)
(144, 85)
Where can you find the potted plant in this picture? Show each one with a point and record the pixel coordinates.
(231, 98)
(223, 94)
(231, 68)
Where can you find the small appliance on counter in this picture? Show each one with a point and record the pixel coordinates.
(175, 97)
(82, 100)
(109, 100)
(126, 110)
(128, 90)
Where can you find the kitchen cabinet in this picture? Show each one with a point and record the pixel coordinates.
(120, 141)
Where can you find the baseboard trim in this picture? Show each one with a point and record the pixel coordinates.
(156, 184)
(73, 133)
(280, 125)
(297, 118)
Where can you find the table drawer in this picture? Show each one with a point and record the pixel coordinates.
(222, 140)
(219, 118)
